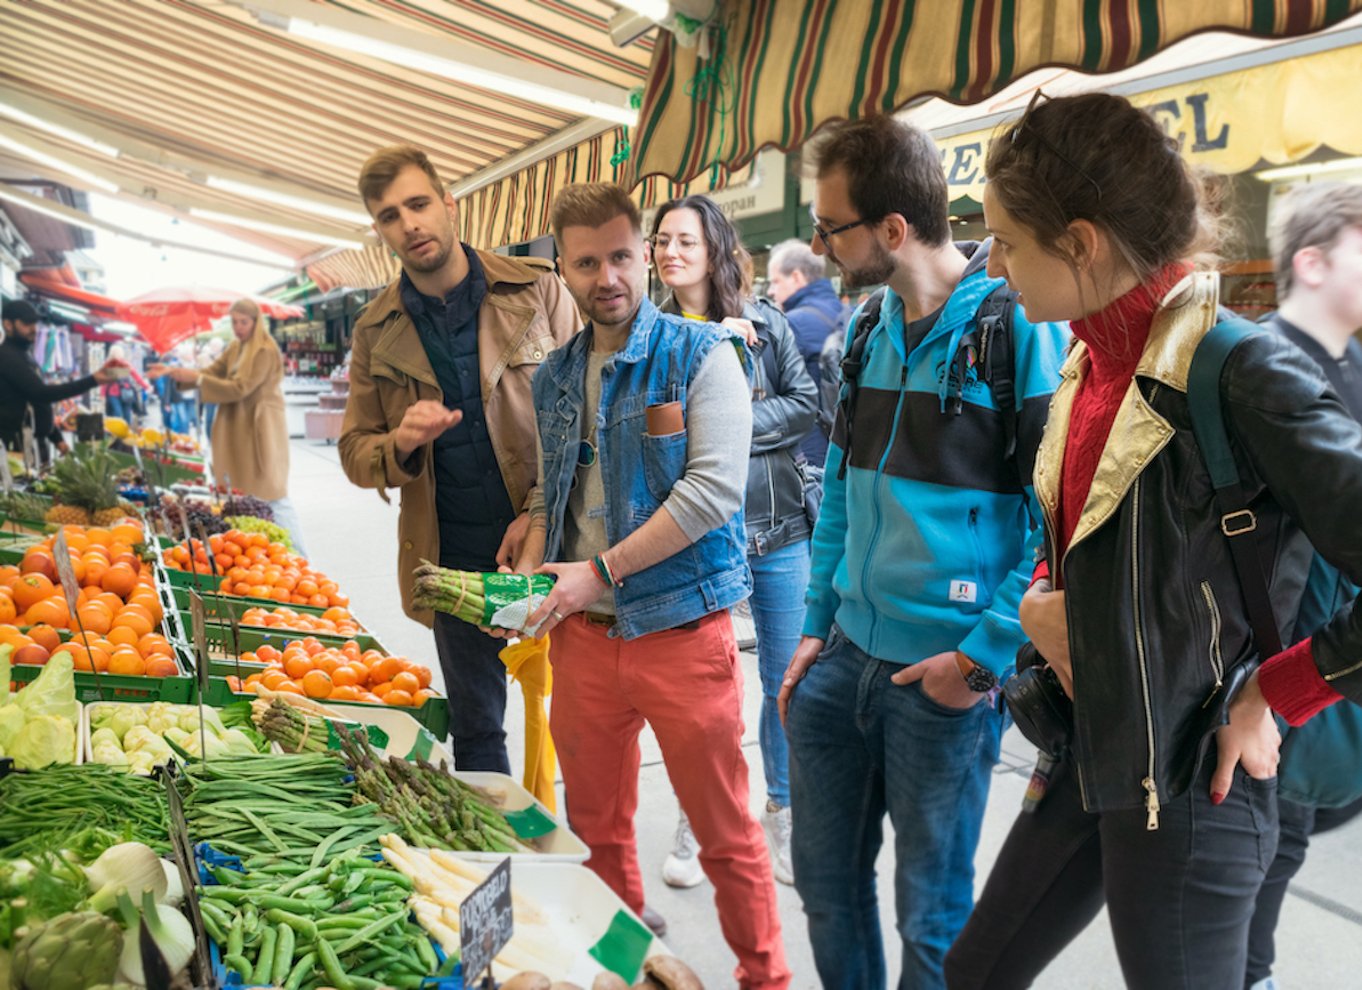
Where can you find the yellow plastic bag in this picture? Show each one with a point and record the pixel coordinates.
(527, 661)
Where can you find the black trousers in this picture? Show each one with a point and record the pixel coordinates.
(1179, 897)
(475, 684)
(1299, 822)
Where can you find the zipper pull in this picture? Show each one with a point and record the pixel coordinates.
(1151, 804)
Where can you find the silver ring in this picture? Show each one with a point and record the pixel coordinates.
(556, 614)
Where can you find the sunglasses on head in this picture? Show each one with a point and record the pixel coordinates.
(1020, 133)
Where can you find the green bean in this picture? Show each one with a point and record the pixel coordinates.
(293, 905)
(369, 931)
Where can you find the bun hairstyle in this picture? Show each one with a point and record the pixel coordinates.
(730, 276)
(1097, 157)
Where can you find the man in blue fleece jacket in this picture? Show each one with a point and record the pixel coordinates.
(922, 550)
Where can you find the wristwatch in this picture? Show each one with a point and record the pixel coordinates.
(979, 679)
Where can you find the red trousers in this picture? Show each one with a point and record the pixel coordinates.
(687, 684)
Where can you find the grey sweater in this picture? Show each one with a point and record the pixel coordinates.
(719, 435)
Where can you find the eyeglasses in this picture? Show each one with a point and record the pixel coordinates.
(662, 242)
(1016, 137)
(826, 235)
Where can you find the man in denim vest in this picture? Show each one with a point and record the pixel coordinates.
(645, 421)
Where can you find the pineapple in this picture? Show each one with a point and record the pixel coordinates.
(84, 482)
(66, 515)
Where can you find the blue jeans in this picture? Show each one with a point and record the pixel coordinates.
(475, 689)
(860, 746)
(286, 515)
(779, 580)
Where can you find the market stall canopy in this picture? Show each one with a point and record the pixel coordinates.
(777, 70)
(255, 117)
(52, 284)
(167, 316)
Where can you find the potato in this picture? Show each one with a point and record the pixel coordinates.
(528, 980)
(607, 980)
(672, 973)
(564, 985)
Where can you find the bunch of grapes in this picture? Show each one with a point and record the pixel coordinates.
(197, 513)
(247, 505)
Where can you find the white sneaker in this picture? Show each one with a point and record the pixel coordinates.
(682, 867)
(777, 824)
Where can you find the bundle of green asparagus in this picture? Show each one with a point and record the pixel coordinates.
(294, 730)
(434, 810)
(505, 601)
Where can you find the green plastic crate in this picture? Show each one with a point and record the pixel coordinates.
(116, 687)
(434, 714)
(218, 635)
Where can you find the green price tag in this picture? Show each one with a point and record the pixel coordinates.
(377, 737)
(623, 946)
(530, 823)
(423, 747)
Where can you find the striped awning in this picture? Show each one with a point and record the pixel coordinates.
(515, 209)
(777, 70)
(178, 104)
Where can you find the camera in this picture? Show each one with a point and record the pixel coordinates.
(1038, 704)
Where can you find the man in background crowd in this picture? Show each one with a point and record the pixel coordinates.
(797, 282)
(1317, 248)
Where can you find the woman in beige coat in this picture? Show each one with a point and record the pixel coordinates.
(250, 434)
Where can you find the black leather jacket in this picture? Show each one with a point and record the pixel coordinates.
(1158, 631)
(783, 411)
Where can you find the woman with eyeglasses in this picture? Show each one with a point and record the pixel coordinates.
(700, 259)
(1163, 801)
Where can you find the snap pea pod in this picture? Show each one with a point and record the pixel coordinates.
(331, 965)
(236, 936)
(264, 961)
(301, 970)
(305, 927)
(283, 950)
(238, 964)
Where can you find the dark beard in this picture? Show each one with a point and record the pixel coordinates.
(434, 264)
(875, 272)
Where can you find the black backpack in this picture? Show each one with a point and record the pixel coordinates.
(991, 340)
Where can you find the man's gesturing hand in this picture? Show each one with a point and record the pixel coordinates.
(423, 422)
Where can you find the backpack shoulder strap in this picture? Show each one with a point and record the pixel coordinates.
(1237, 521)
(853, 363)
(994, 322)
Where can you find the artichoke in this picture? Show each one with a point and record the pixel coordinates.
(69, 952)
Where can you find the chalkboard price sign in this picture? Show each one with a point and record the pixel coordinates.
(485, 923)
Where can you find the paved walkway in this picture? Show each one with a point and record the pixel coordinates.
(352, 535)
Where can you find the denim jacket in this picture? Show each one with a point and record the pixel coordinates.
(657, 365)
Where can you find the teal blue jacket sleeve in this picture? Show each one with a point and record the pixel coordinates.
(1038, 352)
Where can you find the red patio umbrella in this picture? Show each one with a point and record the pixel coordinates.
(165, 317)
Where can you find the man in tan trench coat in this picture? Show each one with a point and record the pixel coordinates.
(440, 408)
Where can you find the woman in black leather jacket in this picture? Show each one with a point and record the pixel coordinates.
(1163, 804)
(700, 258)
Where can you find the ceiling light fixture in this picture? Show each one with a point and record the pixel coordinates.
(655, 10)
(1309, 168)
(357, 217)
(53, 162)
(274, 228)
(14, 113)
